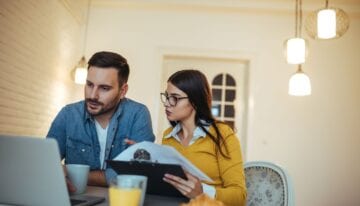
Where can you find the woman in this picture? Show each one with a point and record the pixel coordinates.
(210, 145)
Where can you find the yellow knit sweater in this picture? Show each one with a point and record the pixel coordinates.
(227, 174)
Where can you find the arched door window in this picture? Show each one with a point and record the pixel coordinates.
(223, 99)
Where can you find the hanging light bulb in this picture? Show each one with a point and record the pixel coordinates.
(81, 71)
(296, 48)
(299, 83)
(326, 24)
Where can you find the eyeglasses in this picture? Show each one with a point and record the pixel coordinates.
(172, 100)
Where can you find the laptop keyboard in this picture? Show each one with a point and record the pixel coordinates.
(76, 202)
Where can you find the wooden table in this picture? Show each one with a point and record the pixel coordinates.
(150, 200)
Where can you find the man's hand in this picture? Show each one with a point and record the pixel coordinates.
(129, 141)
(71, 188)
(97, 178)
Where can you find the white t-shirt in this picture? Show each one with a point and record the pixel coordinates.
(102, 134)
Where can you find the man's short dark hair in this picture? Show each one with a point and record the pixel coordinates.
(105, 59)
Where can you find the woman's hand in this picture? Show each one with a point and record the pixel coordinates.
(190, 188)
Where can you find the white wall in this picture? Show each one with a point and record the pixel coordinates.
(316, 138)
(40, 43)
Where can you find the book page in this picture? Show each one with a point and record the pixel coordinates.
(162, 154)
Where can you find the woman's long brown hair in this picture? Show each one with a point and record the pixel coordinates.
(196, 86)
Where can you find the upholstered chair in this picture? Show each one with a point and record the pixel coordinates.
(267, 185)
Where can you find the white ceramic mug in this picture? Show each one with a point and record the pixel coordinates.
(78, 176)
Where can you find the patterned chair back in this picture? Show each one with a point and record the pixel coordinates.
(267, 184)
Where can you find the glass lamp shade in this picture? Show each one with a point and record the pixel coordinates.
(295, 50)
(80, 72)
(326, 24)
(80, 75)
(299, 84)
(326, 19)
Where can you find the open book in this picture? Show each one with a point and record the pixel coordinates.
(162, 154)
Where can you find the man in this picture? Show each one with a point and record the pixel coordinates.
(99, 128)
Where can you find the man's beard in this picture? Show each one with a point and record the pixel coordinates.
(98, 103)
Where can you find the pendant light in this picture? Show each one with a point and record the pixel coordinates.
(80, 72)
(296, 47)
(327, 23)
(299, 83)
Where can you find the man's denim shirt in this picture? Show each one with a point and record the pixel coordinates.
(74, 129)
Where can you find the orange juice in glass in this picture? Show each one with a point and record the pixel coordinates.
(124, 196)
(127, 190)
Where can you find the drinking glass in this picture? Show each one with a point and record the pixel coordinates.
(127, 190)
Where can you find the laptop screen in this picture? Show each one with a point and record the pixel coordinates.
(31, 172)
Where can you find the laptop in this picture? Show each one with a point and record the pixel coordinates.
(31, 174)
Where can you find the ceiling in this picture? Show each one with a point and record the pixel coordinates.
(352, 6)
